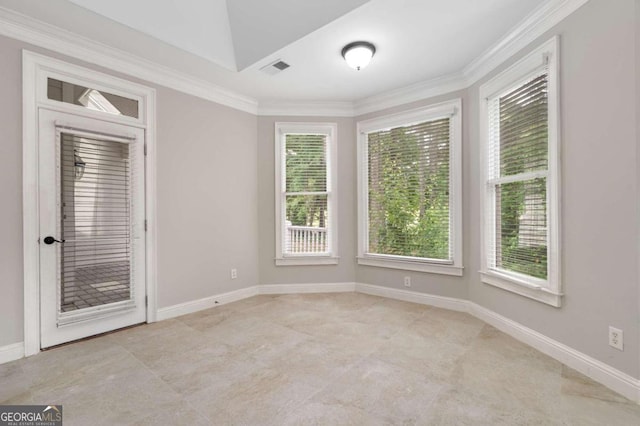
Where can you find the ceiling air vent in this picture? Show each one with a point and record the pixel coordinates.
(275, 67)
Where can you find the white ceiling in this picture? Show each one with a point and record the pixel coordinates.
(416, 40)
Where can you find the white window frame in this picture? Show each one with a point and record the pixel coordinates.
(330, 130)
(452, 110)
(547, 291)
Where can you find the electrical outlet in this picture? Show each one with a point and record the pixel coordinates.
(407, 281)
(234, 274)
(616, 338)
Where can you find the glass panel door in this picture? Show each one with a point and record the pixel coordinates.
(95, 221)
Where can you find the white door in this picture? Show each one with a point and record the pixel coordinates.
(91, 209)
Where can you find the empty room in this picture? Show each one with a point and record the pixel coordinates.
(304, 212)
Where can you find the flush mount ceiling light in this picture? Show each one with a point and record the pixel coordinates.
(358, 54)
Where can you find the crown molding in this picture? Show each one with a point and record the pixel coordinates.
(412, 93)
(306, 109)
(528, 30)
(29, 30)
(38, 33)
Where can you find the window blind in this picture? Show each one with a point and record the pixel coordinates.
(306, 194)
(408, 191)
(95, 223)
(518, 175)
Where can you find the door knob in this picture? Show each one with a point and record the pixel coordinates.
(51, 240)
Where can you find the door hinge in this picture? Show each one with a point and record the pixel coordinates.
(145, 149)
(146, 301)
(145, 225)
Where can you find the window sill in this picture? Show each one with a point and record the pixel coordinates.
(433, 268)
(513, 285)
(306, 260)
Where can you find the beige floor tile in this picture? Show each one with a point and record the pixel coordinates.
(387, 392)
(461, 408)
(260, 397)
(14, 383)
(316, 359)
(319, 414)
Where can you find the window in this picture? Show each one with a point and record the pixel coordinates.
(519, 119)
(409, 188)
(97, 100)
(306, 202)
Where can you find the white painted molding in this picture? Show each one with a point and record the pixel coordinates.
(610, 377)
(11, 352)
(205, 303)
(306, 288)
(413, 93)
(29, 30)
(533, 26)
(450, 303)
(306, 109)
(21, 27)
(530, 28)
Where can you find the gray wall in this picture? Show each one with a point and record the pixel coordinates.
(207, 221)
(599, 193)
(345, 270)
(207, 190)
(11, 302)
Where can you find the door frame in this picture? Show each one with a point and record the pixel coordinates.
(36, 68)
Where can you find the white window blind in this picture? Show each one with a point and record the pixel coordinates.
(408, 182)
(306, 194)
(518, 163)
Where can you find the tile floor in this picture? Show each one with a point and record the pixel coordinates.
(319, 359)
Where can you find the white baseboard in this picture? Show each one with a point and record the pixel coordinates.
(205, 303)
(306, 288)
(610, 377)
(450, 303)
(11, 352)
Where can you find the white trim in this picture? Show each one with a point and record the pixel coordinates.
(547, 291)
(33, 31)
(306, 109)
(412, 93)
(443, 302)
(11, 352)
(527, 31)
(523, 288)
(426, 266)
(608, 376)
(453, 110)
(307, 260)
(30, 30)
(206, 303)
(330, 130)
(35, 69)
(306, 288)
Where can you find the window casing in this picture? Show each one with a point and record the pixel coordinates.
(409, 190)
(306, 198)
(520, 163)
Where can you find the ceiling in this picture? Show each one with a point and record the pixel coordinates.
(227, 42)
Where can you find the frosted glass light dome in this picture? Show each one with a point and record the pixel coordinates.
(358, 54)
